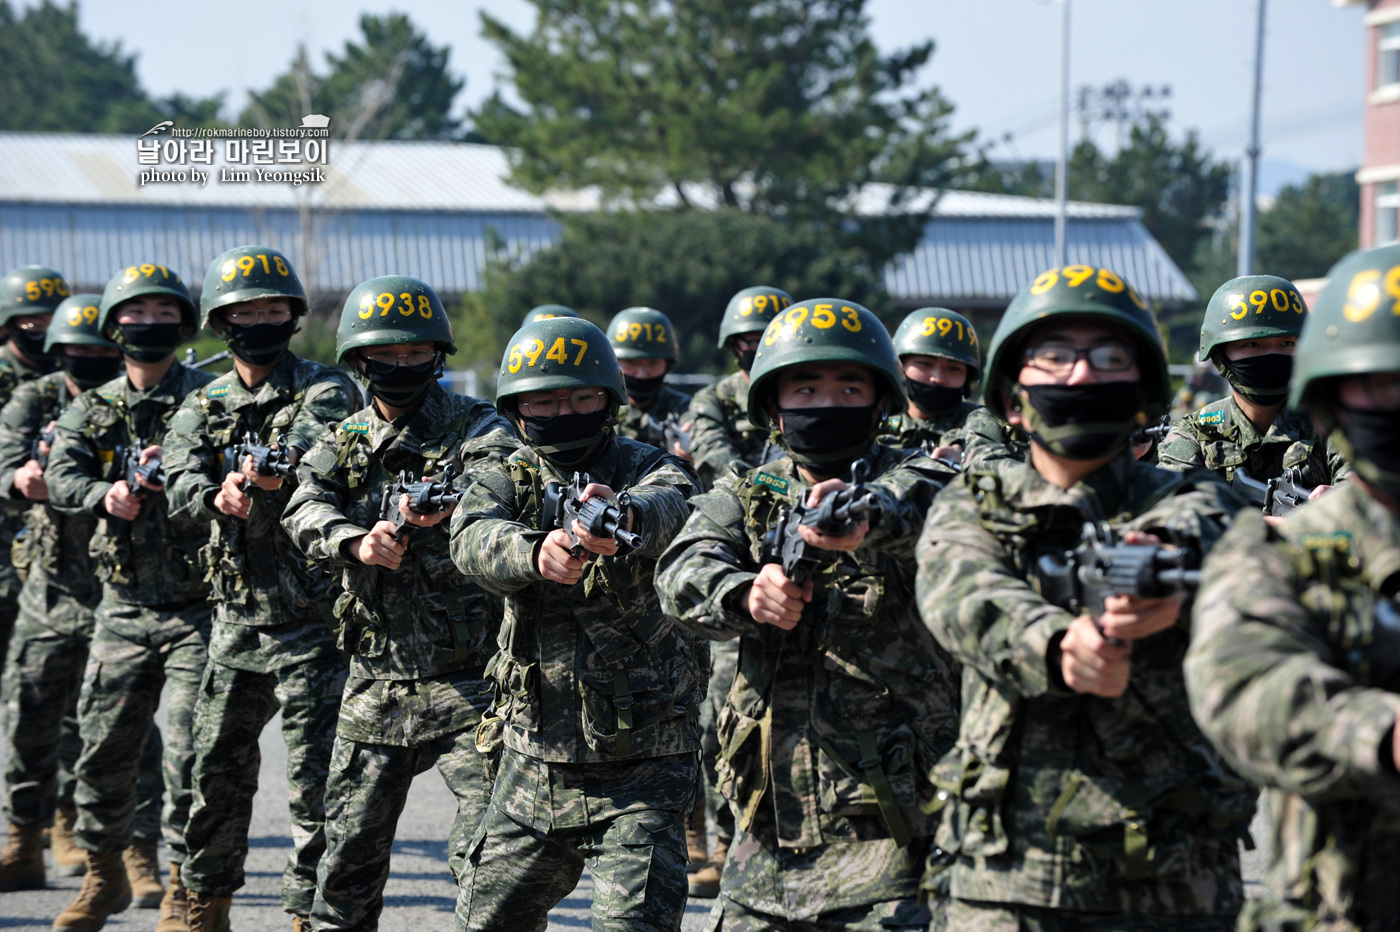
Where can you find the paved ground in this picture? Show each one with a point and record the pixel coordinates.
(420, 895)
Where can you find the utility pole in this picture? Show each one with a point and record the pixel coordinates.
(1062, 163)
(1250, 183)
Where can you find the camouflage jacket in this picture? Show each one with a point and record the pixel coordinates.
(1055, 798)
(153, 560)
(646, 425)
(1293, 673)
(13, 509)
(829, 727)
(971, 426)
(1220, 437)
(54, 551)
(421, 620)
(258, 575)
(721, 434)
(594, 671)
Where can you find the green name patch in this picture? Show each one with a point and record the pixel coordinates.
(1340, 541)
(355, 428)
(1211, 417)
(220, 392)
(773, 482)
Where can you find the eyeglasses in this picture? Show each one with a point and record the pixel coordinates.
(1060, 358)
(31, 326)
(580, 401)
(385, 357)
(273, 315)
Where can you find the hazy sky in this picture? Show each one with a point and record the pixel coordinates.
(997, 60)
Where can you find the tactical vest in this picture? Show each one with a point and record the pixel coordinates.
(38, 547)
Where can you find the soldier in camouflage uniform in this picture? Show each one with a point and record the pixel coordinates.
(1080, 795)
(152, 625)
(28, 296)
(55, 625)
(271, 648)
(417, 633)
(597, 691)
(843, 701)
(1294, 667)
(1250, 330)
(646, 347)
(939, 353)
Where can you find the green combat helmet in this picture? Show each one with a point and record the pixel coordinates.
(1078, 291)
(643, 333)
(31, 289)
(750, 310)
(392, 309)
(1249, 308)
(75, 323)
(247, 273)
(937, 331)
(548, 312)
(136, 281)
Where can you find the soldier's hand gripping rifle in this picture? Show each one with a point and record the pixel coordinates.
(425, 497)
(1154, 434)
(1080, 580)
(1278, 496)
(273, 463)
(837, 515)
(675, 433)
(133, 470)
(928, 447)
(563, 505)
(44, 437)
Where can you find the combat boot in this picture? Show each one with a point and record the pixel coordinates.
(175, 908)
(697, 849)
(105, 891)
(143, 871)
(301, 924)
(68, 859)
(22, 859)
(208, 913)
(704, 883)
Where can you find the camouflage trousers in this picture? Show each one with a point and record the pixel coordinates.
(365, 795)
(233, 708)
(41, 699)
(969, 916)
(121, 691)
(9, 612)
(724, 664)
(624, 821)
(728, 916)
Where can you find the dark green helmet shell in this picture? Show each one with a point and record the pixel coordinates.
(559, 352)
(1354, 327)
(392, 309)
(548, 312)
(1082, 291)
(750, 310)
(137, 281)
(31, 289)
(1251, 307)
(75, 323)
(824, 330)
(247, 273)
(937, 331)
(643, 333)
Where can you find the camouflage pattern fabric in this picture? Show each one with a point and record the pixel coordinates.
(1220, 437)
(1291, 674)
(724, 664)
(645, 425)
(1055, 798)
(721, 434)
(13, 374)
(967, 424)
(623, 820)
(828, 728)
(364, 797)
(986, 917)
(137, 651)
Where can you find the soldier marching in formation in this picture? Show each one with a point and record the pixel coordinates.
(921, 676)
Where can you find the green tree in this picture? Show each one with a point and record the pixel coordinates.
(686, 264)
(393, 84)
(53, 78)
(783, 108)
(1310, 226)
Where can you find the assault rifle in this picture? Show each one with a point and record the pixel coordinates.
(44, 437)
(674, 432)
(1081, 579)
(927, 448)
(193, 362)
(1154, 434)
(1278, 496)
(425, 497)
(270, 462)
(837, 514)
(153, 470)
(598, 516)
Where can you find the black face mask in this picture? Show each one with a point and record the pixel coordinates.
(745, 358)
(1375, 444)
(827, 440)
(1261, 379)
(400, 386)
(1082, 422)
(643, 391)
(567, 439)
(91, 371)
(148, 342)
(930, 398)
(261, 344)
(32, 346)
